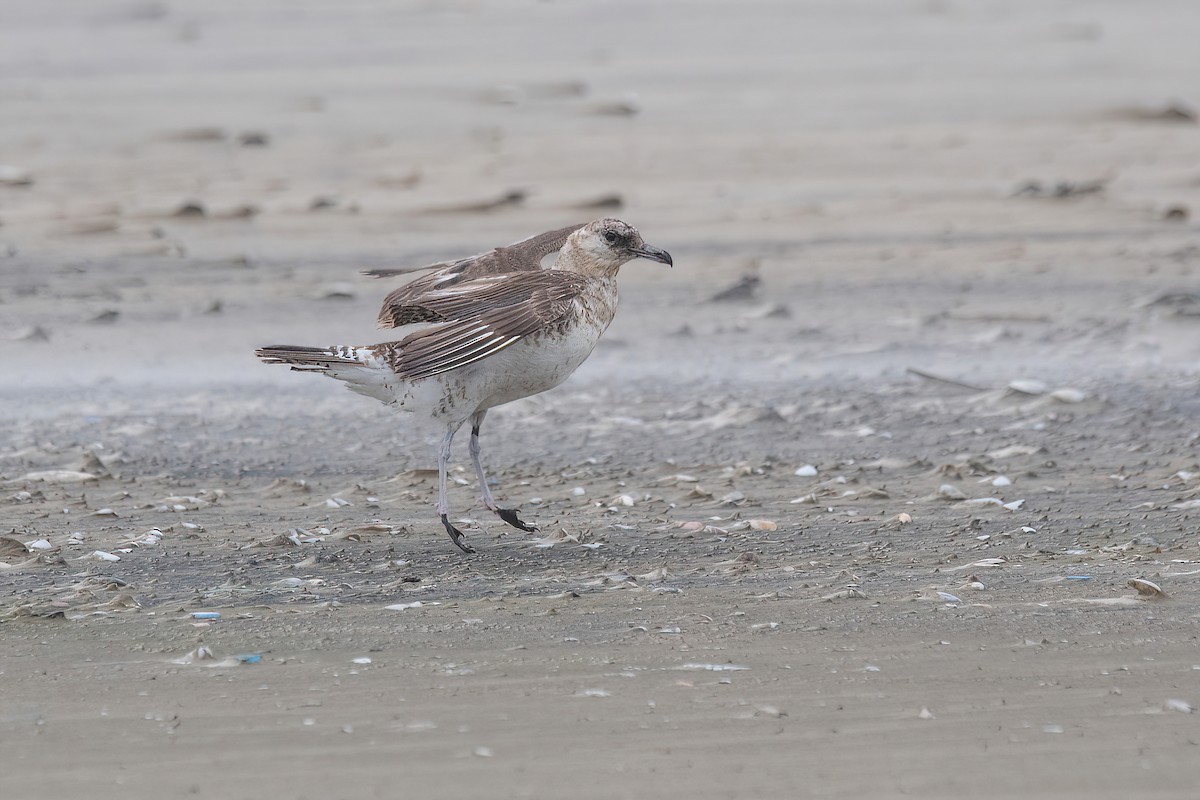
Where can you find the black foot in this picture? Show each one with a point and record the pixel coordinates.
(509, 515)
(456, 536)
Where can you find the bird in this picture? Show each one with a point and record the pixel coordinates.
(483, 331)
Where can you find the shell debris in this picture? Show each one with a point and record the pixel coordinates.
(948, 491)
(1147, 589)
(769, 711)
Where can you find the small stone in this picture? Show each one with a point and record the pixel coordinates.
(948, 491)
(254, 139)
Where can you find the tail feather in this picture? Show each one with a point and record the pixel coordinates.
(360, 368)
(304, 359)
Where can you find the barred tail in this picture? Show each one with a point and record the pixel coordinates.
(321, 359)
(360, 368)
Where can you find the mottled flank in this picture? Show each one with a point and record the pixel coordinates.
(492, 329)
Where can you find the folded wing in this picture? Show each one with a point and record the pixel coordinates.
(525, 255)
(478, 318)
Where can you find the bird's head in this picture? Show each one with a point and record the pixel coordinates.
(601, 247)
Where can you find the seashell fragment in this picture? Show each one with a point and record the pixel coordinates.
(845, 594)
(769, 711)
(201, 653)
(147, 539)
(1146, 588)
(1068, 395)
(59, 476)
(985, 562)
(712, 667)
(948, 491)
(1027, 387)
(1013, 450)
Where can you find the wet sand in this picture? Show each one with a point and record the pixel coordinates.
(868, 530)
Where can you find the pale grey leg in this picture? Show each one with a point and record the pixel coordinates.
(485, 492)
(509, 515)
(443, 504)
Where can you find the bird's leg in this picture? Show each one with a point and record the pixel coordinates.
(509, 515)
(443, 506)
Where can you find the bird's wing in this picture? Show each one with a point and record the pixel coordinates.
(479, 318)
(525, 255)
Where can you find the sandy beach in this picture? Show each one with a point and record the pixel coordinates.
(889, 488)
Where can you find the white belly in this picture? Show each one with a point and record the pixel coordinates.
(525, 368)
(532, 366)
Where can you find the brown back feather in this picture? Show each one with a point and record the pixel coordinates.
(522, 256)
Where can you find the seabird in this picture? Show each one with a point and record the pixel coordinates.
(485, 331)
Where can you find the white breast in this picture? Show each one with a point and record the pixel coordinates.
(533, 365)
(527, 367)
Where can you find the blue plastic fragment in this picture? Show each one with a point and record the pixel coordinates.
(1079, 577)
(206, 615)
(249, 658)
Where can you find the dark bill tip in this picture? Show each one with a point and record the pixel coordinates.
(655, 254)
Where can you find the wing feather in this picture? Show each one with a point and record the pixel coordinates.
(480, 318)
(399, 307)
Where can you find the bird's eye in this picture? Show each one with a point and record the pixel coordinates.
(611, 237)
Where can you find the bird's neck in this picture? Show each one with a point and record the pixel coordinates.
(574, 258)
